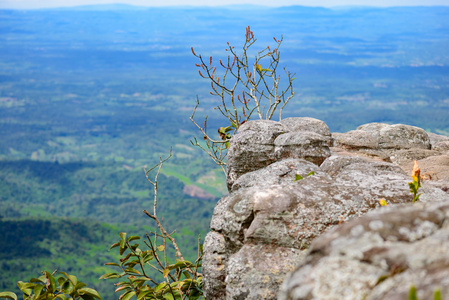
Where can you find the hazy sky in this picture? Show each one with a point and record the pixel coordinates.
(326, 3)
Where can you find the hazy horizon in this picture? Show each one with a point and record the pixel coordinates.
(37, 4)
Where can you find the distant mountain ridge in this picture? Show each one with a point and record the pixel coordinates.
(103, 7)
(123, 6)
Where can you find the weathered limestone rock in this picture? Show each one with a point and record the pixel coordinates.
(356, 139)
(215, 261)
(280, 172)
(437, 138)
(308, 124)
(252, 148)
(398, 136)
(261, 143)
(392, 143)
(378, 256)
(264, 267)
(261, 230)
(432, 168)
(308, 145)
(442, 147)
(407, 155)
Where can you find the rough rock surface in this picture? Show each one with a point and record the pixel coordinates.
(261, 143)
(397, 136)
(291, 181)
(309, 124)
(378, 256)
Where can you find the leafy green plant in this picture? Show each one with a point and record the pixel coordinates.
(299, 177)
(244, 88)
(49, 287)
(412, 294)
(416, 183)
(437, 294)
(182, 279)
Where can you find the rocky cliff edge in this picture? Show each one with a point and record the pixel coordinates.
(293, 182)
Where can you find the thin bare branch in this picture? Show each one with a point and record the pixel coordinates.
(255, 80)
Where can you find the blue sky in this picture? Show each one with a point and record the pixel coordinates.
(24, 4)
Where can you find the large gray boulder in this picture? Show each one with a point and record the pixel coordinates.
(299, 124)
(356, 139)
(441, 147)
(288, 187)
(398, 136)
(252, 148)
(308, 145)
(378, 256)
(437, 138)
(260, 143)
(392, 143)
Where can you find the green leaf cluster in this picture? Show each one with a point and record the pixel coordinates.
(181, 279)
(49, 287)
(414, 186)
(299, 177)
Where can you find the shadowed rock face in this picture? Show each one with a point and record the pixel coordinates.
(262, 229)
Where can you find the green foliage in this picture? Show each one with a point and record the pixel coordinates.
(48, 215)
(299, 177)
(416, 183)
(414, 186)
(75, 246)
(49, 287)
(181, 278)
(437, 294)
(8, 295)
(412, 295)
(106, 192)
